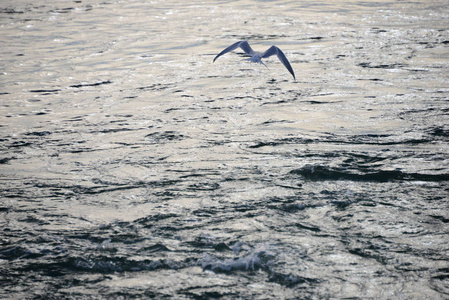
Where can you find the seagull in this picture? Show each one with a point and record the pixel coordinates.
(257, 56)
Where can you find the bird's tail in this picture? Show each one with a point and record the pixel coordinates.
(257, 59)
(264, 65)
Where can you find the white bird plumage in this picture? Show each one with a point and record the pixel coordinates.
(257, 56)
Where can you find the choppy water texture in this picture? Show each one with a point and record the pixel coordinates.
(133, 166)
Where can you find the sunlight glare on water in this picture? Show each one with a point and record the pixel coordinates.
(133, 166)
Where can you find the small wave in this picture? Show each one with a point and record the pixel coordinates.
(254, 259)
(250, 262)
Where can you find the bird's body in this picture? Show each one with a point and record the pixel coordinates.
(257, 56)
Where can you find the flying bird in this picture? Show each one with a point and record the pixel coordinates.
(257, 56)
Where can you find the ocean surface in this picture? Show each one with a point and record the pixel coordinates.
(134, 167)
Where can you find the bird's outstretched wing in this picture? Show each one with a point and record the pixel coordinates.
(242, 44)
(275, 50)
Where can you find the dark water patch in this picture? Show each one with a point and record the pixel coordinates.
(38, 133)
(113, 130)
(290, 208)
(81, 150)
(4, 208)
(253, 37)
(379, 139)
(342, 204)
(440, 218)
(154, 248)
(439, 131)
(122, 236)
(19, 144)
(317, 172)
(156, 87)
(41, 113)
(282, 200)
(365, 139)
(204, 242)
(282, 142)
(32, 219)
(45, 92)
(381, 66)
(204, 186)
(287, 185)
(151, 221)
(76, 119)
(121, 116)
(167, 194)
(11, 11)
(193, 294)
(44, 249)
(221, 247)
(374, 139)
(173, 109)
(14, 252)
(291, 280)
(112, 238)
(206, 213)
(378, 30)
(317, 102)
(62, 10)
(206, 173)
(276, 121)
(416, 71)
(389, 251)
(325, 94)
(307, 227)
(369, 254)
(90, 84)
(17, 193)
(34, 100)
(363, 161)
(5, 160)
(440, 282)
(430, 111)
(164, 137)
(372, 79)
(275, 102)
